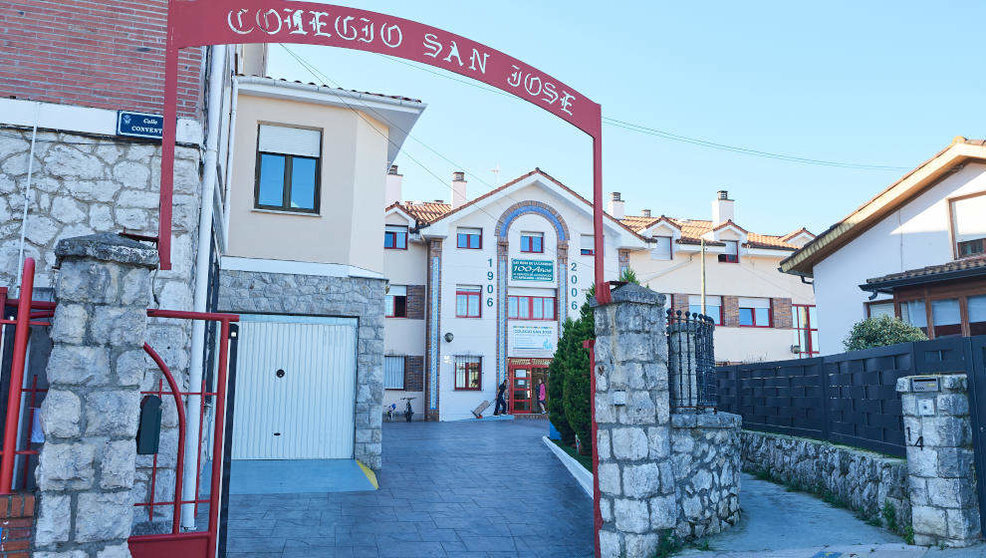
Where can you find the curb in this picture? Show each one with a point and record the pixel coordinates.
(583, 477)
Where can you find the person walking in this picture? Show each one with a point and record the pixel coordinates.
(542, 396)
(501, 401)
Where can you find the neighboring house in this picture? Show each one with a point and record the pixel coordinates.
(760, 314)
(304, 266)
(480, 288)
(917, 250)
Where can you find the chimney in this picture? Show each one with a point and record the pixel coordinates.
(459, 189)
(646, 213)
(616, 208)
(392, 192)
(723, 208)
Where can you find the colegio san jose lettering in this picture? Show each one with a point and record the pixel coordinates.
(445, 51)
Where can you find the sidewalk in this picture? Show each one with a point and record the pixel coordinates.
(781, 524)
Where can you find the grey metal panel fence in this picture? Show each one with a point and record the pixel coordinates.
(848, 398)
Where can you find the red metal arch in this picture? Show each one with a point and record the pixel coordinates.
(194, 23)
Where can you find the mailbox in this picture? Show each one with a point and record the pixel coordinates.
(149, 428)
(924, 384)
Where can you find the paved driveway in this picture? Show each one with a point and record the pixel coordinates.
(461, 489)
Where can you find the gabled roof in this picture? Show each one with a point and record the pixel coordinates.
(912, 184)
(692, 231)
(428, 213)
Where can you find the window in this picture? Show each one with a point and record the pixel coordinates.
(731, 253)
(713, 306)
(467, 301)
(754, 312)
(530, 307)
(946, 317)
(977, 314)
(587, 245)
(468, 373)
(393, 372)
(288, 168)
(914, 313)
(395, 237)
(968, 225)
(662, 248)
(396, 301)
(532, 242)
(469, 238)
(806, 329)
(880, 308)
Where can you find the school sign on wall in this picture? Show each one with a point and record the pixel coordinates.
(532, 270)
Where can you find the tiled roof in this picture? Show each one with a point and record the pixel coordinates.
(693, 229)
(965, 266)
(322, 85)
(427, 213)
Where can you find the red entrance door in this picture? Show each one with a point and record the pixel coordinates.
(524, 379)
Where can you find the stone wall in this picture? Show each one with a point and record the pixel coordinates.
(362, 298)
(83, 184)
(861, 480)
(658, 473)
(705, 452)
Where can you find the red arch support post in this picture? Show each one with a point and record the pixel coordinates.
(193, 23)
(196, 23)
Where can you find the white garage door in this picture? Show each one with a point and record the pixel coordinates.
(295, 388)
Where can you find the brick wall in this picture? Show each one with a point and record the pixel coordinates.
(679, 302)
(107, 54)
(414, 373)
(730, 311)
(781, 308)
(16, 521)
(416, 302)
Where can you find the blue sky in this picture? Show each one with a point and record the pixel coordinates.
(879, 82)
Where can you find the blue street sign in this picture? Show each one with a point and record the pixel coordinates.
(139, 125)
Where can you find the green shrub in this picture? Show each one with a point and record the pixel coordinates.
(880, 332)
(574, 361)
(556, 390)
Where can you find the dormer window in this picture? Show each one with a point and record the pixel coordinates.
(731, 253)
(395, 237)
(968, 224)
(532, 242)
(288, 169)
(662, 248)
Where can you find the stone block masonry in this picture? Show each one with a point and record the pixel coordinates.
(659, 474)
(313, 295)
(861, 480)
(940, 464)
(83, 185)
(89, 418)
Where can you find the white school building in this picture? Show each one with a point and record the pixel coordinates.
(479, 288)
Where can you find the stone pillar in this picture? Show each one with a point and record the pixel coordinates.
(940, 464)
(636, 478)
(89, 417)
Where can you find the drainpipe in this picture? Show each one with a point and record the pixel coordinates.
(217, 68)
(229, 158)
(27, 197)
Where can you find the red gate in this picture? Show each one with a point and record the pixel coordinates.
(200, 543)
(29, 312)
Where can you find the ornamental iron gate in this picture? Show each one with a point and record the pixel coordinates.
(198, 543)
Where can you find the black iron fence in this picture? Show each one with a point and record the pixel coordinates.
(691, 360)
(848, 398)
